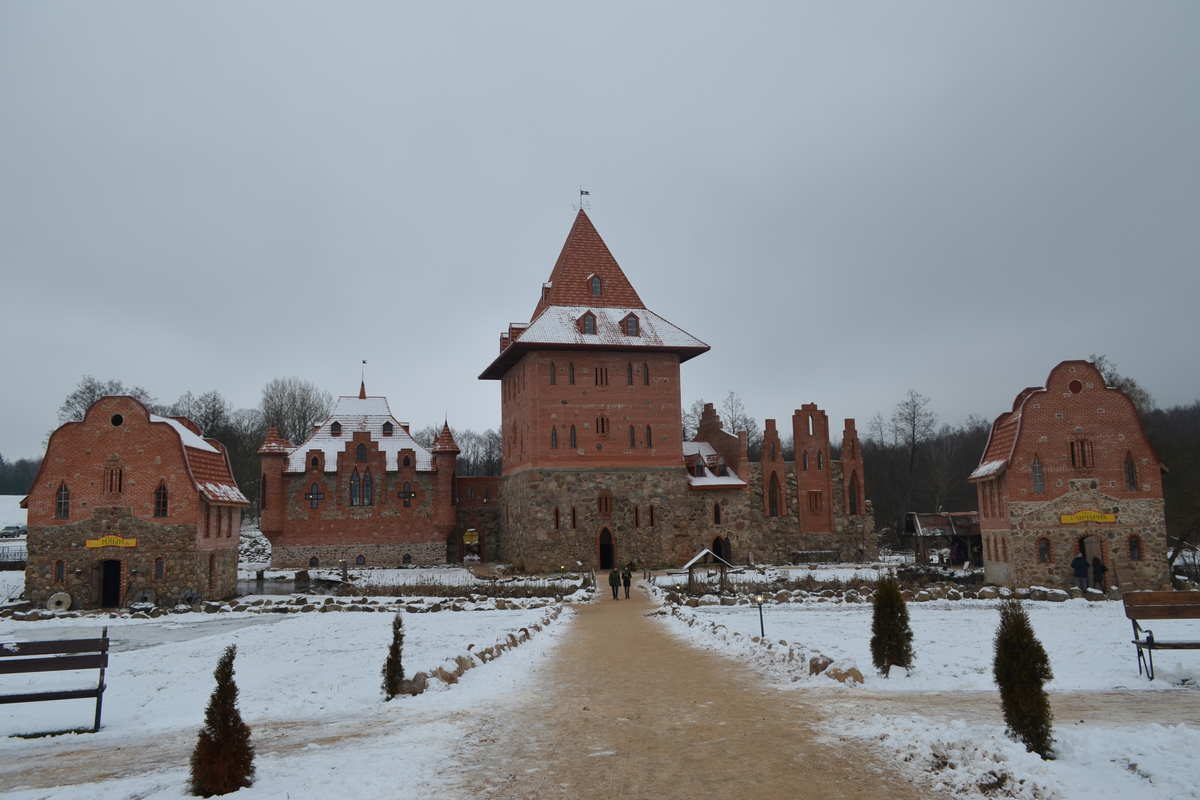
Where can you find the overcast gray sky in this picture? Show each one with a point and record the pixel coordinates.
(844, 199)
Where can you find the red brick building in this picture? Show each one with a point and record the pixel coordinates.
(130, 506)
(595, 468)
(360, 490)
(1069, 469)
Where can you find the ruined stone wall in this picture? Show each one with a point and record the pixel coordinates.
(329, 556)
(186, 568)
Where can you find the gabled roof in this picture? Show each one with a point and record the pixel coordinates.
(583, 255)
(360, 414)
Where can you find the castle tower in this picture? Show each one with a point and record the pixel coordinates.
(814, 487)
(445, 456)
(852, 471)
(273, 456)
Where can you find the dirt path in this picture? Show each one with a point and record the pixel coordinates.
(626, 710)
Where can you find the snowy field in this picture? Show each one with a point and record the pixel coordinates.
(846, 573)
(11, 512)
(940, 722)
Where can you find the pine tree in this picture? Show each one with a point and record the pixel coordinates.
(223, 760)
(891, 638)
(393, 668)
(1020, 668)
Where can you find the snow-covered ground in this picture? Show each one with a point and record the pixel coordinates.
(845, 573)
(294, 673)
(11, 512)
(929, 721)
(12, 583)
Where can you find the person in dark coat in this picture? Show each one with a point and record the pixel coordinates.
(1079, 566)
(1098, 572)
(626, 579)
(614, 581)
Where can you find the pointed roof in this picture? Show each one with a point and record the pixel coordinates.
(362, 389)
(583, 255)
(274, 443)
(444, 443)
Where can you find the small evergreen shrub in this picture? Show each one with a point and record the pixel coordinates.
(223, 760)
(891, 638)
(1020, 668)
(393, 667)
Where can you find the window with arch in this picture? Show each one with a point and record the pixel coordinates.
(407, 494)
(804, 461)
(62, 502)
(160, 568)
(771, 451)
(1043, 550)
(1082, 454)
(820, 459)
(1135, 548)
(1131, 480)
(773, 496)
(360, 453)
(645, 373)
(631, 325)
(629, 373)
(160, 500)
(553, 374)
(314, 496)
(604, 503)
(596, 286)
(649, 437)
(388, 429)
(571, 372)
(360, 560)
(336, 429)
(355, 487)
(587, 324)
(632, 437)
(574, 438)
(315, 464)
(368, 489)
(554, 438)
(1037, 476)
(60, 571)
(313, 562)
(716, 513)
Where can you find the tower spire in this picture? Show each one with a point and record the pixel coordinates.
(362, 383)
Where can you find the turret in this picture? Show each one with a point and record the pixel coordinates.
(273, 456)
(445, 459)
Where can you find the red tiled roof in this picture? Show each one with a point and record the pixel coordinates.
(444, 443)
(213, 477)
(585, 254)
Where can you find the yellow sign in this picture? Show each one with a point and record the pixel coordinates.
(111, 540)
(470, 536)
(1086, 516)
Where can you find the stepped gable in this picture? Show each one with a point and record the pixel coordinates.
(356, 414)
(583, 255)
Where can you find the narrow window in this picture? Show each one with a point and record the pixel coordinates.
(160, 568)
(60, 571)
(637, 517)
(407, 494)
(574, 520)
(814, 502)
(651, 516)
(631, 326)
(645, 374)
(820, 459)
(316, 463)
(554, 438)
(853, 494)
(262, 491)
(360, 453)
(804, 461)
(1004, 550)
(62, 502)
(388, 429)
(589, 324)
(649, 437)
(632, 437)
(336, 429)
(1135, 548)
(1043, 551)
(571, 372)
(368, 490)
(773, 496)
(1038, 476)
(1131, 480)
(553, 374)
(556, 521)
(354, 487)
(716, 513)
(597, 286)
(113, 480)
(313, 562)
(574, 441)
(160, 500)
(629, 373)
(314, 496)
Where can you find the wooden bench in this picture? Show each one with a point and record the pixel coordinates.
(1159, 605)
(56, 656)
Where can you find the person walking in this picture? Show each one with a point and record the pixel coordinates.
(1098, 573)
(614, 581)
(627, 578)
(1079, 566)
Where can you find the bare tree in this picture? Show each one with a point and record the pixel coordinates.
(210, 410)
(90, 390)
(691, 419)
(912, 424)
(293, 406)
(1141, 398)
(734, 419)
(425, 436)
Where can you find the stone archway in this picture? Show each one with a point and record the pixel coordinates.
(608, 550)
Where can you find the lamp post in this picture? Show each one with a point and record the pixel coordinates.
(758, 598)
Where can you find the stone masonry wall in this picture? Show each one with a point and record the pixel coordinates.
(374, 555)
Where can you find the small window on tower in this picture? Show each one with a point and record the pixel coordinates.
(336, 429)
(160, 500)
(596, 286)
(587, 323)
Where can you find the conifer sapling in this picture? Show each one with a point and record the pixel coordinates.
(891, 638)
(393, 668)
(1021, 667)
(223, 760)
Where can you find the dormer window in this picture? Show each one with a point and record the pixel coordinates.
(387, 429)
(629, 325)
(587, 324)
(596, 285)
(336, 429)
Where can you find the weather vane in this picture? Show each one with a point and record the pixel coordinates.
(582, 194)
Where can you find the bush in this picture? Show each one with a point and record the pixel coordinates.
(393, 667)
(1020, 668)
(891, 638)
(223, 760)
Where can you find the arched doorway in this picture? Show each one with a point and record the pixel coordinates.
(608, 550)
(721, 547)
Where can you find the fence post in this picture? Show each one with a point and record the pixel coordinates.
(100, 685)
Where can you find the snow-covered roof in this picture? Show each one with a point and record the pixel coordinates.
(712, 458)
(190, 438)
(988, 469)
(560, 325)
(360, 414)
(222, 493)
(698, 448)
(702, 554)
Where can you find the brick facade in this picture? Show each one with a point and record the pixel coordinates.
(1072, 446)
(123, 476)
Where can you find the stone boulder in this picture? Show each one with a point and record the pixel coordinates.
(844, 674)
(987, 593)
(818, 664)
(1057, 595)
